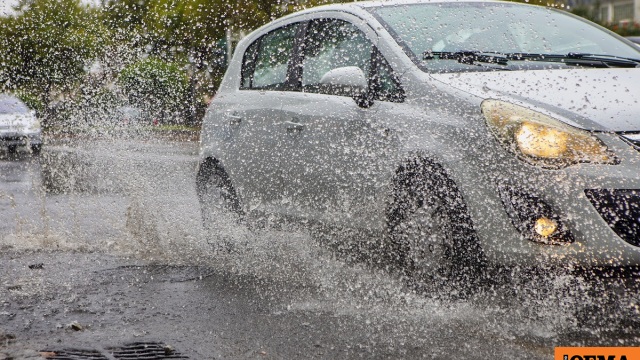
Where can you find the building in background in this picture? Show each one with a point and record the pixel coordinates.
(619, 11)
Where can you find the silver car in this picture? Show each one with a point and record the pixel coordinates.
(634, 39)
(451, 134)
(18, 125)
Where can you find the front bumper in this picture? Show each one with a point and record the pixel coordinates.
(20, 139)
(598, 206)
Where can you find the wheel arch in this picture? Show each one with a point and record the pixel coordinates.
(212, 167)
(205, 169)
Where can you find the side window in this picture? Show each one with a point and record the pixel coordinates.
(331, 44)
(266, 61)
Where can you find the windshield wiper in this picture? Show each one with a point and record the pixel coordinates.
(579, 59)
(467, 57)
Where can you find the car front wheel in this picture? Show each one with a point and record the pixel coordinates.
(429, 244)
(430, 229)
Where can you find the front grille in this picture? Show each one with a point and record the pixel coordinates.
(133, 351)
(620, 209)
(633, 139)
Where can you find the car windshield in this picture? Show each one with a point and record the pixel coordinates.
(493, 28)
(12, 105)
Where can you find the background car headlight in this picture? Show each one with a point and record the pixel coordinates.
(34, 126)
(542, 140)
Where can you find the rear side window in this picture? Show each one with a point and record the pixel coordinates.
(266, 61)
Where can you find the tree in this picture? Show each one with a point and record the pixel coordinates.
(188, 30)
(47, 45)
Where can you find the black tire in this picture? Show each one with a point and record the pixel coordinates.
(35, 149)
(431, 233)
(218, 199)
(12, 149)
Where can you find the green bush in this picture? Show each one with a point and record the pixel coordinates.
(159, 87)
(31, 100)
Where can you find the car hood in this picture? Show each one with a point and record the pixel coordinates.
(592, 99)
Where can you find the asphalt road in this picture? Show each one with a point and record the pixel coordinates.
(101, 247)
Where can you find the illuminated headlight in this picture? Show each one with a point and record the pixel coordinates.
(34, 126)
(542, 140)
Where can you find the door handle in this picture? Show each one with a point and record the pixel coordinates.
(234, 120)
(385, 132)
(293, 127)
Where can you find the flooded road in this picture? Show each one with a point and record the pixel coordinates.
(102, 247)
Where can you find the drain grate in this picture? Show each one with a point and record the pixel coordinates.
(74, 354)
(151, 351)
(133, 351)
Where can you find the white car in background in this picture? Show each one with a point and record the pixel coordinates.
(18, 125)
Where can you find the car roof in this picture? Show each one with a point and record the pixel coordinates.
(360, 6)
(378, 3)
(366, 4)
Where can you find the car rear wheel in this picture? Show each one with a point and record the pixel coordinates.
(35, 149)
(12, 149)
(219, 204)
(430, 229)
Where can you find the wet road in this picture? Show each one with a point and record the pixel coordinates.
(101, 246)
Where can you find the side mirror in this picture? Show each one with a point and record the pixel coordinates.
(350, 81)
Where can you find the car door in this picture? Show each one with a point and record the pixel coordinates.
(341, 154)
(254, 142)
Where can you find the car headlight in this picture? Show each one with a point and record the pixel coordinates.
(34, 126)
(541, 140)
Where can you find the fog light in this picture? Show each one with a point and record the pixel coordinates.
(536, 219)
(545, 227)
